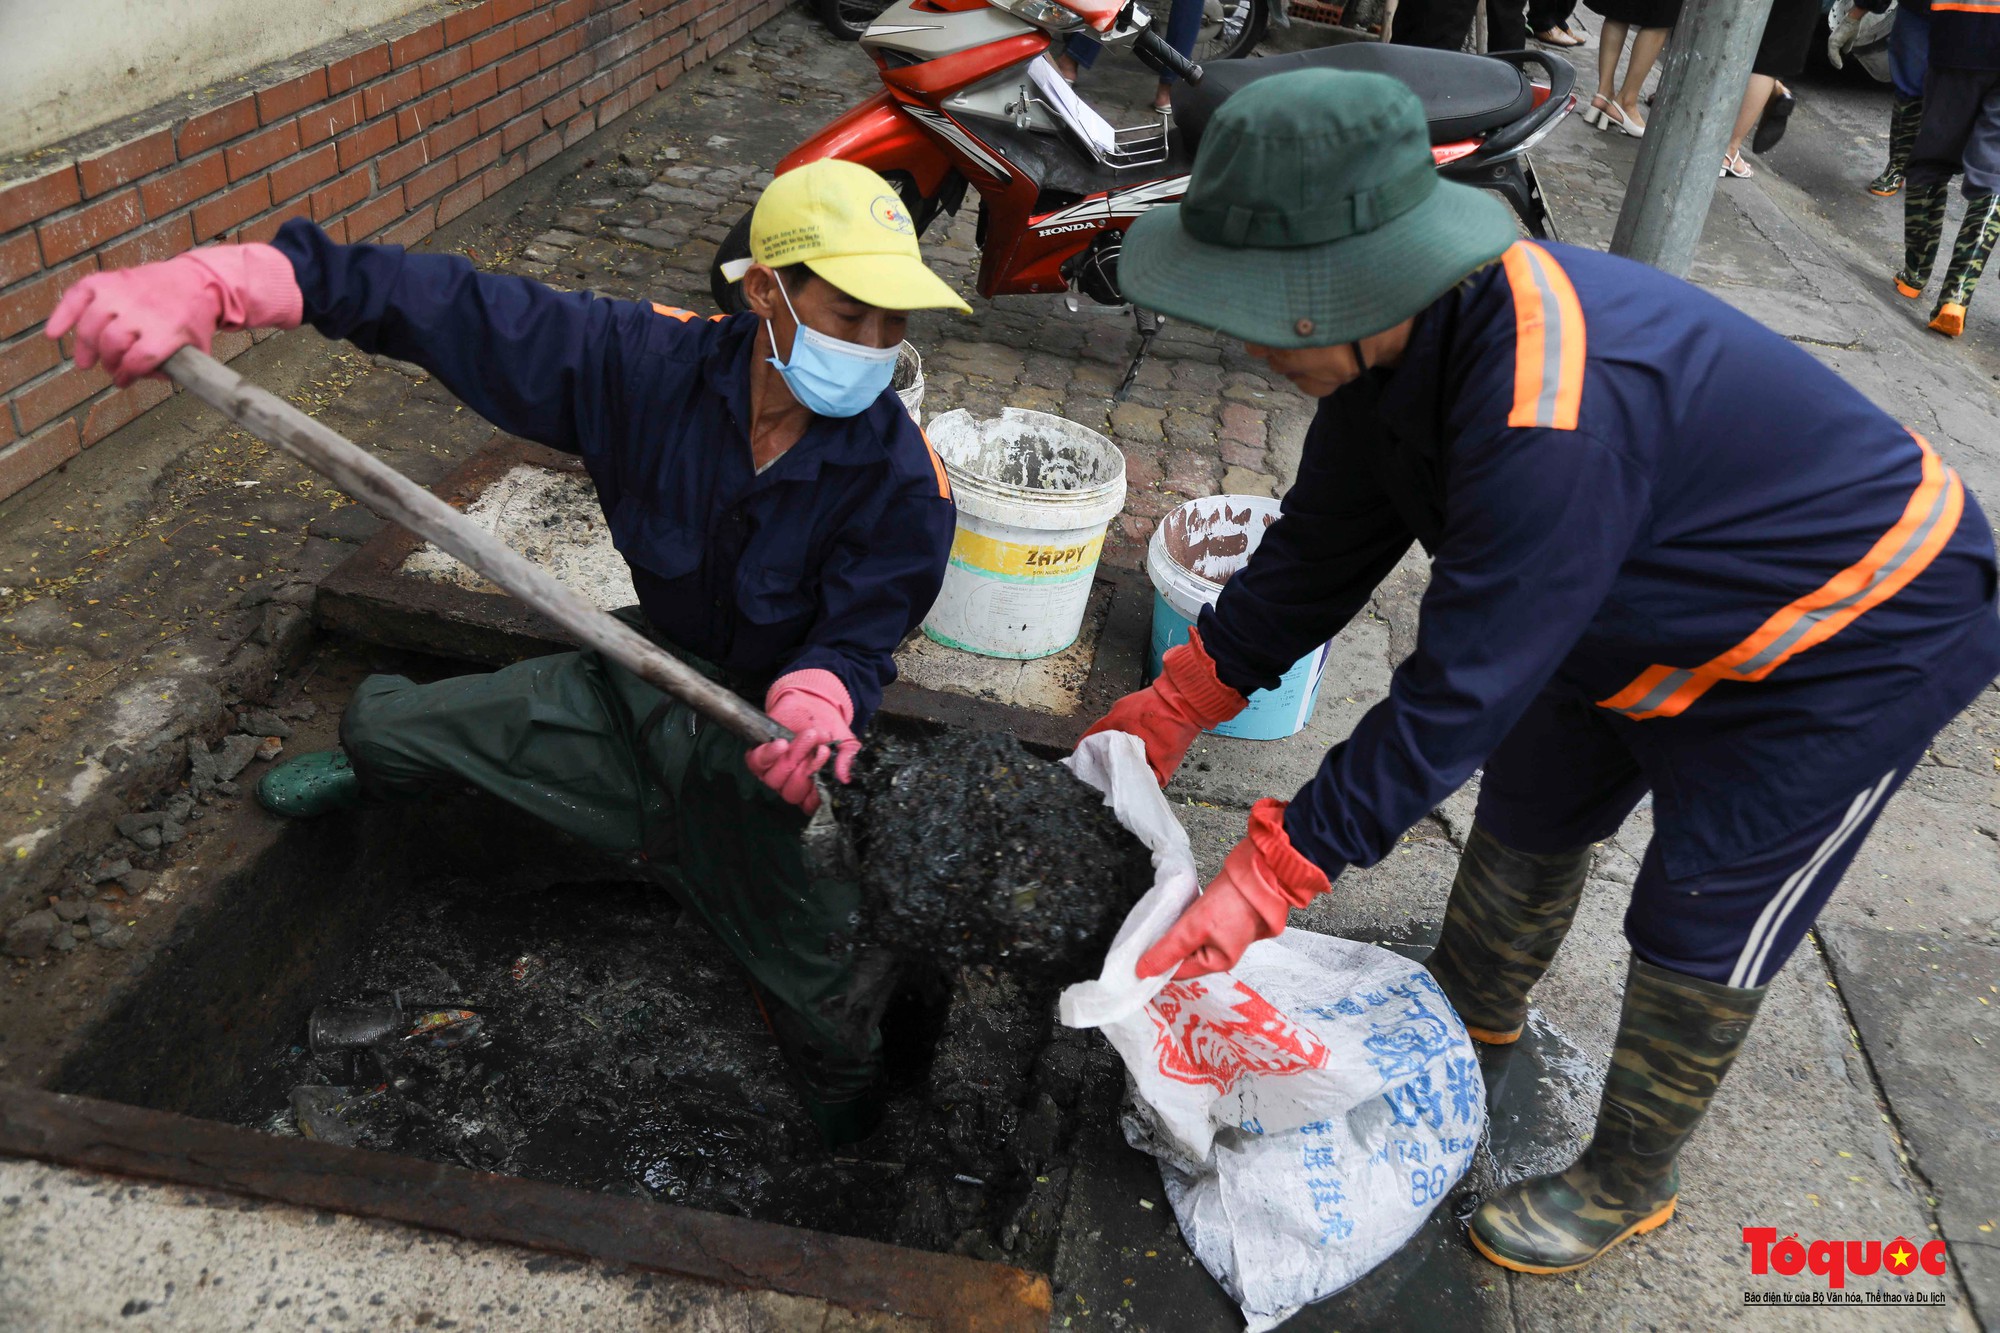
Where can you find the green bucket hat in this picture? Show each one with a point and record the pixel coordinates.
(1314, 216)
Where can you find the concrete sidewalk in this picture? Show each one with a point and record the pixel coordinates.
(140, 610)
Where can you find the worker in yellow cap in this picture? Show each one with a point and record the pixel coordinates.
(785, 521)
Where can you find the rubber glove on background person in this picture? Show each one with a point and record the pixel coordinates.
(1263, 878)
(1841, 40)
(1184, 700)
(133, 319)
(813, 706)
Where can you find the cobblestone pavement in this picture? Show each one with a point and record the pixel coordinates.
(1201, 418)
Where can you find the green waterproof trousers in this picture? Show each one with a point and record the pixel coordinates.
(581, 743)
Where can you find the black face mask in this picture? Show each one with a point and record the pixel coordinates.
(1360, 357)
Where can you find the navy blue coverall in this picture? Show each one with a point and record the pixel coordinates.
(1670, 552)
(826, 559)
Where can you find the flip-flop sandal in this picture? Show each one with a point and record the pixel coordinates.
(1556, 37)
(1771, 126)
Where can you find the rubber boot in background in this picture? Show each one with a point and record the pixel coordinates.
(1923, 229)
(1976, 234)
(1677, 1037)
(308, 785)
(1905, 114)
(1507, 915)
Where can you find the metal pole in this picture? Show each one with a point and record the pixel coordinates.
(1701, 89)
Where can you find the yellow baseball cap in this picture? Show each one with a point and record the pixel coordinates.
(849, 226)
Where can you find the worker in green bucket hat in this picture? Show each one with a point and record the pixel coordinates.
(1671, 554)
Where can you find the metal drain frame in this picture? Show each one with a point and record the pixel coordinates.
(366, 598)
(952, 1292)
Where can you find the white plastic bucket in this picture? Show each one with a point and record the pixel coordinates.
(1034, 494)
(1194, 551)
(909, 381)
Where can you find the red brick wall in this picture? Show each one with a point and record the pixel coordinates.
(381, 138)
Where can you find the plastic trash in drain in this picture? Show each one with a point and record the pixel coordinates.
(1309, 1108)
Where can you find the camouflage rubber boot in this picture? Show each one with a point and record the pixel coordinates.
(1905, 114)
(1508, 913)
(1923, 229)
(309, 785)
(1676, 1039)
(1976, 235)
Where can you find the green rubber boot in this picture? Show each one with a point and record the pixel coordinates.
(1923, 229)
(1905, 114)
(844, 1123)
(1507, 916)
(310, 785)
(1976, 235)
(1677, 1037)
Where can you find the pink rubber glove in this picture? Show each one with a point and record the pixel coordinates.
(1262, 880)
(812, 705)
(133, 319)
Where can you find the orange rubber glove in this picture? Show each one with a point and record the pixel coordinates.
(1262, 880)
(813, 706)
(1184, 700)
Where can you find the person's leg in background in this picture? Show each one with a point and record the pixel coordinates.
(1646, 48)
(1748, 113)
(1507, 25)
(1078, 55)
(1789, 30)
(1952, 103)
(1439, 24)
(1610, 45)
(1704, 950)
(1909, 59)
(1547, 20)
(1980, 228)
(1183, 29)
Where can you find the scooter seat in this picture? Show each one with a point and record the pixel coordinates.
(1463, 95)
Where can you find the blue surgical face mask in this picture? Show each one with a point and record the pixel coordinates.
(829, 376)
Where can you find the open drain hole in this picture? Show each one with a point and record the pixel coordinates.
(618, 1047)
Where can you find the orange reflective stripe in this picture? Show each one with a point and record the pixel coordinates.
(1549, 342)
(1967, 6)
(1899, 555)
(675, 312)
(937, 465)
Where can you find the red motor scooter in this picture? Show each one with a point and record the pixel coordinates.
(970, 97)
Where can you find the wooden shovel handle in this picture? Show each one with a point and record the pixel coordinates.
(400, 500)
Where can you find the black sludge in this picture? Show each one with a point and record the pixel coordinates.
(975, 851)
(596, 1036)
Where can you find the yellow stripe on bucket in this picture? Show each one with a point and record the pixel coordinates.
(1023, 563)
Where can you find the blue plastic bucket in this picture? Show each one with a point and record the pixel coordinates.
(1194, 551)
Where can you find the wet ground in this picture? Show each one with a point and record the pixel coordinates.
(592, 1035)
(974, 850)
